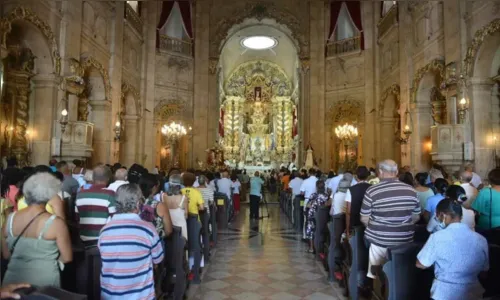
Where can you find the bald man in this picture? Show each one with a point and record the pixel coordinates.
(120, 179)
(470, 190)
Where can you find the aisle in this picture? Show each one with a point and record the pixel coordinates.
(263, 260)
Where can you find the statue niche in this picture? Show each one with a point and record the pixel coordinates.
(438, 103)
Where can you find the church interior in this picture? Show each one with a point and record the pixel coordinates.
(256, 86)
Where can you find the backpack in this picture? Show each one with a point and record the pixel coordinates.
(148, 211)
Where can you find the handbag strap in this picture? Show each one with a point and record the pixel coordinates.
(23, 231)
(491, 200)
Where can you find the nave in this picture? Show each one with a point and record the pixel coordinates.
(263, 260)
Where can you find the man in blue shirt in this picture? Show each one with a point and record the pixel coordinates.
(255, 195)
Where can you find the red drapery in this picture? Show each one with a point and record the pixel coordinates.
(185, 8)
(166, 9)
(354, 8)
(221, 123)
(334, 15)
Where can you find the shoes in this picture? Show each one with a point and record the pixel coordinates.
(338, 276)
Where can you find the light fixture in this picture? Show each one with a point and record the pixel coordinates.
(118, 130)
(346, 133)
(259, 42)
(407, 128)
(64, 120)
(173, 131)
(463, 104)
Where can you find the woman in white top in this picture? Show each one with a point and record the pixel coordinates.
(455, 193)
(236, 186)
(177, 203)
(338, 203)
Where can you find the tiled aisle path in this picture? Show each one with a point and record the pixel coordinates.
(263, 260)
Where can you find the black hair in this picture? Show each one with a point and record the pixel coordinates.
(42, 168)
(312, 171)
(449, 207)
(320, 187)
(234, 177)
(147, 182)
(57, 175)
(456, 192)
(441, 185)
(362, 173)
(494, 176)
(331, 174)
(407, 178)
(421, 178)
(11, 162)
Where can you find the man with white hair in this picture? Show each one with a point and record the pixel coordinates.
(476, 179)
(389, 211)
(120, 179)
(470, 190)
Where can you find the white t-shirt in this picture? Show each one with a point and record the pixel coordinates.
(333, 183)
(115, 185)
(338, 203)
(308, 187)
(470, 192)
(236, 186)
(224, 185)
(295, 185)
(348, 196)
(196, 184)
(476, 180)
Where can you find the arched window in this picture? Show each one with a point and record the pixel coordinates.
(386, 6)
(345, 28)
(174, 27)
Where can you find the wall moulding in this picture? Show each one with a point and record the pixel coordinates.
(435, 65)
(166, 109)
(392, 90)
(88, 62)
(347, 110)
(21, 13)
(127, 89)
(260, 11)
(477, 41)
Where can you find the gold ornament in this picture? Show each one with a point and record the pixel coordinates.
(436, 65)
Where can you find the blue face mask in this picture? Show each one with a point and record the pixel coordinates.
(442, 225)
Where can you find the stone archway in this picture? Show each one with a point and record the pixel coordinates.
(390, 123)
(479, 37)
(129, 117)
(349, 111)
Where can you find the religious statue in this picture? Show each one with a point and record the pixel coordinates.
(74, 83)
(83, 104)
(309, 162)
(438, 103)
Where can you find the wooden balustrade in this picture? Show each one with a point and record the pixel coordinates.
(343, 46)
(172, 44)
(388, 20)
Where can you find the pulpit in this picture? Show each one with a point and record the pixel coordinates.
(448, 145)
(76, 141)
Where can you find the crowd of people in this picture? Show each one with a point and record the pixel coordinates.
(123, 217)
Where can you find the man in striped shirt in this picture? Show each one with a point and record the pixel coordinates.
(129, 247)
(389, 211)
(95, 205)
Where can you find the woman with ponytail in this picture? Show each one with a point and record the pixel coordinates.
(457, 253)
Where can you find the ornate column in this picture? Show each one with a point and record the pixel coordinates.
(303, 121)
(102, 144)
(128, 151)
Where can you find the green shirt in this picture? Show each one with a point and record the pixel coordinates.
(487, 204)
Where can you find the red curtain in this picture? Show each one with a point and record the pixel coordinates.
(354, 8)
(334, 15)
(185, 8)
(166, 9)
(221, 123)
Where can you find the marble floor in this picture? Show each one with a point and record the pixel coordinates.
(263, 260)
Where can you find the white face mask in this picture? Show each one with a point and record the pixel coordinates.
(442, 224)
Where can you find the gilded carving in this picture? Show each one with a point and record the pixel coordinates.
(240, 81)
(305, 64)
(213, 62)
(167, 109)
(438, 103)
(392, 90)
(477, 41)
(92, 62)
(26, 14)
(436, 65)
(83, 104)
(347, 110)
(260, 11)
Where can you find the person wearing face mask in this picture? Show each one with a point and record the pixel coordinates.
(458, 255)
(454, 193)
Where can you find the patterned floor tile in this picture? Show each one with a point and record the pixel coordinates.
(284, 296)
(248, 296)
(216, 284)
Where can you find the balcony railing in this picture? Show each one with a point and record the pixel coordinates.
(133, 18)
(172, 44)
(343, 46)
(386, 22)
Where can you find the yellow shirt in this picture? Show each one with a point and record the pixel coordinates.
(21, 204)
(195, 199)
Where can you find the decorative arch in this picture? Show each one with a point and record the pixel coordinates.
(347, 110)
(26, 14)
(259, 11)
(89, 62)
(477, 41)
(165, 110)
(436, 65)
(243, 76)
(392, 90)
(130, 89)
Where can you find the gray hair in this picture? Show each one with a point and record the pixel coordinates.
(89, 176)
(40, 188)
(102, 174)
(121, 174)
(174, 185)
(466, 176)
(202, 180)
(128, 197)
(388, 166)
(435, 173)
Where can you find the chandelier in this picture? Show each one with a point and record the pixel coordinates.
(346, 132)
(173, 131)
